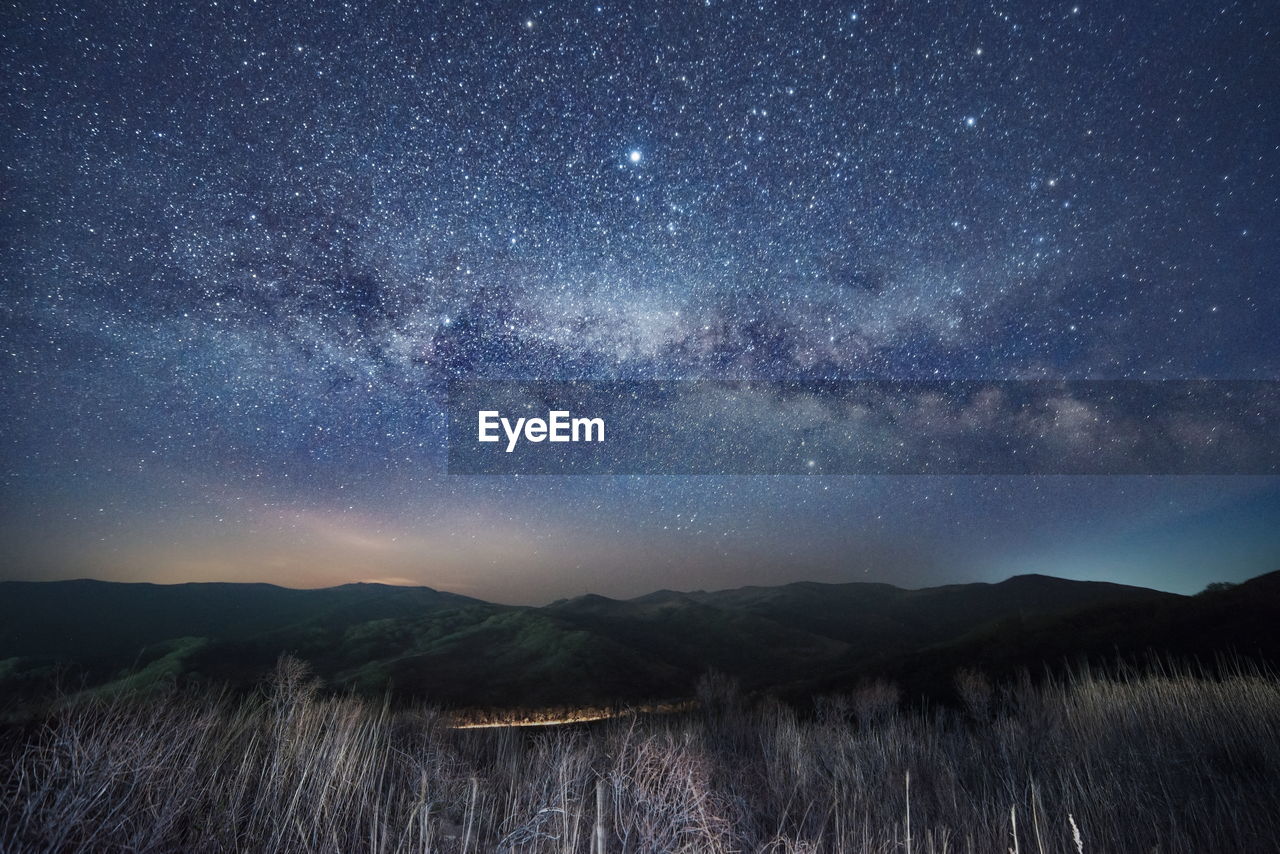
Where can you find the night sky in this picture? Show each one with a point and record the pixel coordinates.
(245, 247)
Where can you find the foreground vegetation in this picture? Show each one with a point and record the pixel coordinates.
(1164, 761)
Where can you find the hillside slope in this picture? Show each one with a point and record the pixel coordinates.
(416, 642)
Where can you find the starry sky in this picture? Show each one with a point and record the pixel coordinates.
(246, 246)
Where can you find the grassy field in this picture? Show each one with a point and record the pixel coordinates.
(1164, 761)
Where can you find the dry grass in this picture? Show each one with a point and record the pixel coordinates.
(1157, 762)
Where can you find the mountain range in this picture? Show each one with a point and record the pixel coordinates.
(797, 639)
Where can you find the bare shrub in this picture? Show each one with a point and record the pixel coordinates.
(974, 690)
(876, 702)
(1170, 761)
(718, 693)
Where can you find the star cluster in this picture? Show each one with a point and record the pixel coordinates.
(247, 245)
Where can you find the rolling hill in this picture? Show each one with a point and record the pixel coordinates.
(102, 617)
(798, 639)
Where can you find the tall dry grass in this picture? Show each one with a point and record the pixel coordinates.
(1164, 761)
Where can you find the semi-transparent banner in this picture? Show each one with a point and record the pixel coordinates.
(865, 427)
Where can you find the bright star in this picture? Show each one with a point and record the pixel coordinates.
(635, 156)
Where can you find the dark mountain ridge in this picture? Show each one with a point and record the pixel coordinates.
(799, 638)
(108, 617)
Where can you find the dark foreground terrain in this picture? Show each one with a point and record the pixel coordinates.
(805, 718)
(1169, 762)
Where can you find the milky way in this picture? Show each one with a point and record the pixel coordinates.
(247, 245)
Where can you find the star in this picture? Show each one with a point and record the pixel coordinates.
(235, 231)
